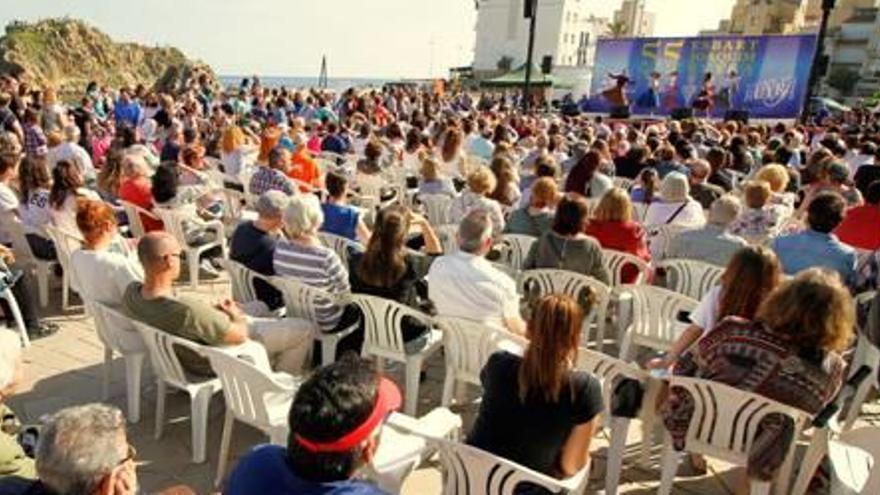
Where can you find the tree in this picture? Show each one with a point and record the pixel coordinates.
(843, 79)
(616, 29)
(505, 63)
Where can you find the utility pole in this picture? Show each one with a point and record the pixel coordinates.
(532, 14)
(820, 60)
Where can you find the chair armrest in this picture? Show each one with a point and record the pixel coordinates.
(439, 423)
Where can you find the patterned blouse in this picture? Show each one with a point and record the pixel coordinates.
(758, 225)
(749, 356)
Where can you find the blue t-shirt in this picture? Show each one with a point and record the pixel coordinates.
(341, 220)
(264, 471)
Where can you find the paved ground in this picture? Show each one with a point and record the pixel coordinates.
(65, 369)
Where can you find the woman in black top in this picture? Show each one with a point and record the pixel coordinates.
(389, 270)
(545, 418)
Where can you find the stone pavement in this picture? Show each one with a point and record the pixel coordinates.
(66, 369)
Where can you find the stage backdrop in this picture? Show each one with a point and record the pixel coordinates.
(764, 75)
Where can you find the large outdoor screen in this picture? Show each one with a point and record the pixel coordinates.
(764, 75)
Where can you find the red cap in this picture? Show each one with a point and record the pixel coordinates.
(387, 401)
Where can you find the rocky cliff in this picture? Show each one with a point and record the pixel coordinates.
(67, 54)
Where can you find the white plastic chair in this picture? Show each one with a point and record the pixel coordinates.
(300, 300)
(133, 212)
(690, 277)
(340, 245)
(514, 248)
(617, 261)
(467, 346)
(119, 335)
(660, 238)
(867, 354)
(174, 220)
(539, 283)
(610, 371)
(254, 396)
(166, 365)
(383, 338)
(448, 234)
(724, 425)
(241, 280)
(25, 256)
(469, 470)
(7, 295)
(438, 208)
(655, 318)
(857, 469)
(65, 244)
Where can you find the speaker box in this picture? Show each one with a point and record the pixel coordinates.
(682, 113)
(619, 113)
(737, 116)
(547, 64)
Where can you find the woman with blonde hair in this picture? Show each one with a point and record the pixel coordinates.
(431, 181)
(778, 177)
(235, 146)
(760, 220)
(790, 353)
(452, 158)
(52, 118)
(480, 183)
(507, 188)
(613, 226)
(538, 410)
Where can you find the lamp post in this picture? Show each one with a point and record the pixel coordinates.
(532, 14)
(820, 60)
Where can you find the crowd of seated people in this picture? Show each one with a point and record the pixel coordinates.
(760, 203)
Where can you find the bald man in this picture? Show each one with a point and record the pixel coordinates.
(153, 302)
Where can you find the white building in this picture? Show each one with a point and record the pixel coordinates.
(634, 20)
(565, 31)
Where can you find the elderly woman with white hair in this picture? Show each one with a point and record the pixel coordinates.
(13, 459)
(301, 256)
(71, 151)
(676, 207)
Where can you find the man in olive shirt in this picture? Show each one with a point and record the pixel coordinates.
(153, 302)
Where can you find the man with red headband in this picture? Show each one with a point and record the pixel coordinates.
(335, 420)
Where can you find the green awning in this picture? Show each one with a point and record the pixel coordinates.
(517, 77)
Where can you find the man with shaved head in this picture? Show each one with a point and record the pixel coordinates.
(153, 302)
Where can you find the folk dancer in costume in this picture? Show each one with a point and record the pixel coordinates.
(650, 98)
(616, 95)
(727, 95)
(670, 94)
(705, 100)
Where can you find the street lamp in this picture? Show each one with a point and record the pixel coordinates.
(820, 60)
(531, 13)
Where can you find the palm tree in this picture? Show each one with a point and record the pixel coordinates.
(616, 29)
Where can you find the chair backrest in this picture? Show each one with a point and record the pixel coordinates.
(109, 325)
(172, 220)
(299, 298)
(242, 281)
(340, 245)
(65, 243)
(448, 234)
(617, 261)
(469, 470)
(468, 344)
(161, 346)
(609, 370)
(656, 315)
(250, 392)
(133, 212)
(514, 248)
(690, 277)
(20, 244)
(539, 283)
(725, 419)
(383, 320)
(660, 238)
(438, 208)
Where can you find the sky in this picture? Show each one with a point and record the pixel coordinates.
(361, 38)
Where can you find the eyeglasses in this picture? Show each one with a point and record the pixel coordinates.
(131, 454)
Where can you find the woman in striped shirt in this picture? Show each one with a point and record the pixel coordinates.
(301, 256)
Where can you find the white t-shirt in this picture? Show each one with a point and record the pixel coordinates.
(705, 315)
(103, 276)
(463, 285)
(65, 217)
(35, 213)
(690, 216)
(8, 202)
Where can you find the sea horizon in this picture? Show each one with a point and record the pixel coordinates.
(296, 82)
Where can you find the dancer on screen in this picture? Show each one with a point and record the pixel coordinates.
(650, 98)
(705, 100)
(616, 95)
